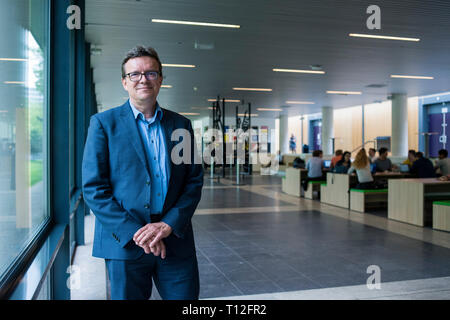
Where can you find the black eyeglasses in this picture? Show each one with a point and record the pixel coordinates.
(137, 76)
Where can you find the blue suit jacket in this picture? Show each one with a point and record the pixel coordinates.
(115, 177)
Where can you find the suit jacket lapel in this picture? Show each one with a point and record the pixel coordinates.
(131, 129)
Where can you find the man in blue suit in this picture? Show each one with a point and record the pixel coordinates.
(143, 201)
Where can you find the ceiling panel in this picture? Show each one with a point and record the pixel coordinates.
(283, 34)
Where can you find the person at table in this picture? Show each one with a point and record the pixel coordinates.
(411, 158)
(422, 167)
(344, 164)
(361, 166)
(336, 158)
(383, 163)
(315, 168)
(443, 163)
(372, 155)
(445, 178)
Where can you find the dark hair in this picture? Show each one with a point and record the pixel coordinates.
(338, 152)
(419, 154)
(413, 152)
(317, 153)
(382, 150)
(140, 51)
(372, 149)
(340, 162)
(443, 152)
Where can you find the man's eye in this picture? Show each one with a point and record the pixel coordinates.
(134, 74)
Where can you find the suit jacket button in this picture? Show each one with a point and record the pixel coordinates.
(146, 206)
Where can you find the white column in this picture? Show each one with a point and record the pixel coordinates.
(399, 138)
(284, 134)
(327, 130)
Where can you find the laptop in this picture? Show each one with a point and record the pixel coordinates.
(404, 168)
(327, 163)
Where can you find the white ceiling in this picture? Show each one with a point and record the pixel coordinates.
(274, 34)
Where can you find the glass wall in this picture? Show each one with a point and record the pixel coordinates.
(24, 83)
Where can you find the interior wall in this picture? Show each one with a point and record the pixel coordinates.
(413, 123)
(294, 126)
(348, 128)
(377, 121)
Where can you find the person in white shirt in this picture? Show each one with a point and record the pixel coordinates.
(443, 163)
(315, 169)
(361, 165)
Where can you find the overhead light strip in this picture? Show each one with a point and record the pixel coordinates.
(243, 114)
(299, 71)
(178, 65)
(166, 86)
(252, 89)
(12, 59)
(189, 113)
(343, 92)
(411, 77)
(300, 102)
(359, 35)
(194, 23)
(268, 109)
(226, 100)
(14, 82)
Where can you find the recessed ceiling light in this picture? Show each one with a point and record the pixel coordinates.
(299, 102)
(243, 114)
(14, 82)
(171, 65)
(12, 59)
(411, 77)
(299, 71)
(226, 100)
(268, 109)
(189, 113)
(194, 23)
(359, 35)
(343, 92)
(252, 89)
(166, 86)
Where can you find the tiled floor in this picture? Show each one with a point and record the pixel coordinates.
(255, 242)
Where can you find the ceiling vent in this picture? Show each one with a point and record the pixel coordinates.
(375, 85)
(203, 46)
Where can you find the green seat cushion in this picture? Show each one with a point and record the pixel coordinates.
(318, 182)
(370, 190)
(442, 202)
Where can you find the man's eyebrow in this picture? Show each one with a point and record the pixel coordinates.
(144, 71)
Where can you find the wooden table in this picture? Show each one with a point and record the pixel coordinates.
(291, 183)
(410, 200)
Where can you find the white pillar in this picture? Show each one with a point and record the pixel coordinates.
(327, 130)
(399, 138)
(284, 134)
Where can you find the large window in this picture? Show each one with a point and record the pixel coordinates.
(24, 83)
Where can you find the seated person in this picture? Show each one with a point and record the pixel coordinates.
(299, 163)
(362, 167)
(336, 158)
(315, 169)
(344, 164)
(423, 167)
(372, 153)
(383, 163)
(443, 163)
(411, 158)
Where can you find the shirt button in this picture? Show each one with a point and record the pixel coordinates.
(157, 175)
(152, 141)
(159, 194)
(154, 158)
(148, 182)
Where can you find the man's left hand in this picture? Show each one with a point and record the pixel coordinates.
(153, 232)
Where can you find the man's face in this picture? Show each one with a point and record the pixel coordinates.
(371, 153)
(144, 90)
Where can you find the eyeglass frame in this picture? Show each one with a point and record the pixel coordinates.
(158, 73)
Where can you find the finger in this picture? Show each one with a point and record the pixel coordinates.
(146, 236)
(163, 250)
(157, 238)
(146, 249)
(139, 232)
(157, 249)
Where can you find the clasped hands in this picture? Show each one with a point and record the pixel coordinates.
(150, 236)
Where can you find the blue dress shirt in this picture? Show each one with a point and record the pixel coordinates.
(155, 147)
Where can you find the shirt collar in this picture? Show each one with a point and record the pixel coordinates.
(158, 113)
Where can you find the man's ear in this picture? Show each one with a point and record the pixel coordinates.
(124, 83)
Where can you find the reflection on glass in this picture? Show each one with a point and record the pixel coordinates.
(23, 124)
